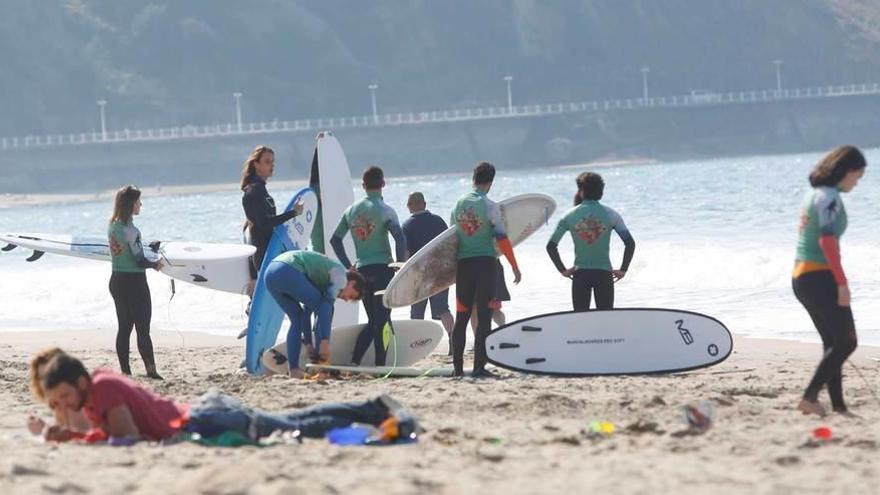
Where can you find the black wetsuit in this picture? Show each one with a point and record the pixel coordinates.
(262, 218)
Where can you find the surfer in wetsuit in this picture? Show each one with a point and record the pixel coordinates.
(259, 206)
(128, 282)
(818, 280)
(478, 227)
(590, 224)
(421, 228)
(370, 221)
(501, 294)
(305, 283)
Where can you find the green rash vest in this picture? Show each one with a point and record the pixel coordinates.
(590, 224)
(478, 225)
(126, 251)
(370, 221)
(327, 275)
(822, 213)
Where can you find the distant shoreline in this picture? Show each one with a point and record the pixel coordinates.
(10, 200)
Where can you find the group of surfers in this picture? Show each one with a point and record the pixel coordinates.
(307, 283)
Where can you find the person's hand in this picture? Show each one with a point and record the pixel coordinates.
(568, 273)
(298, 207)
(57, 433)
(35, 425)
(618, 274)
(517, 275)
(159, 265)
(843, 296)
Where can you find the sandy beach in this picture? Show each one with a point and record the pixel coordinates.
(517, 434)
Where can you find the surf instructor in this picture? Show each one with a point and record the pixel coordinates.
(259, 206)
(305, 283)
(818, 279)
(370, 221)
(478, 227)
(590, 224)
(128, 282)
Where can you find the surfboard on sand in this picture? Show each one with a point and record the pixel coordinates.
(432, 268)
(266, 316)
(413, 341)
(390, 371)
(216, 266)
(330, 177)
(610, 342)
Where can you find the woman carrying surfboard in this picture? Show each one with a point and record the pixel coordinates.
(304, 283)
(259, 206)
(128, 282)
(590, 224)
(818, 280)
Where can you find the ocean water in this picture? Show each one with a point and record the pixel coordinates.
(713, 236)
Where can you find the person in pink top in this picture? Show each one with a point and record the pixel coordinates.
(122, 411)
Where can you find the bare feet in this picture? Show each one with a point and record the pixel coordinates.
(296, 373)
(811, 407)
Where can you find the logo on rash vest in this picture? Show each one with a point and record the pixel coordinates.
(589, 230)
(115, 247)
(469, 222)
(362, 228)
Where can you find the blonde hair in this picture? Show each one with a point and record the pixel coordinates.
(251, 161)
(37, 363)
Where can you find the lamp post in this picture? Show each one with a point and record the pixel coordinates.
(373, 88)
(778, 75)
(101, 105)
(645, 71)
(509, 94)
(237, 97)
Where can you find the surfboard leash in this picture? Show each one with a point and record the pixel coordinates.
(867, 383)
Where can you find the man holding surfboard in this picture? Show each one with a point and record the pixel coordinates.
(478, 227)
(370, 221)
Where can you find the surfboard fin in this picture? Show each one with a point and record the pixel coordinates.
(8, 247)
(535, 360)
(527, 328)
(508, 345)
(197, 278)
(34, 257)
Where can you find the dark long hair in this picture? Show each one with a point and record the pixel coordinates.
(836, 164)
(123, 206)
(590, 187)
(251, 161)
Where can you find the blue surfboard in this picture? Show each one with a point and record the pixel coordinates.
(266, 316)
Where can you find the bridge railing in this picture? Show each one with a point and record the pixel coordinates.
(437, 116)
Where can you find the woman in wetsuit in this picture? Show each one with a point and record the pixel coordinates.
(818, 279)
(590, 224)
(259, 207)
(128, 283)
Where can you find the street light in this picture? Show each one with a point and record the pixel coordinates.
(101, 105)
(237, 97)
(645, 71)
(778, 75)
(509, 94)
(373, 88)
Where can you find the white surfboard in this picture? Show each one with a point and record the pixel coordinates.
(389, 371)
(215, 266)
(432, 268)
(413, 341)
(331, 176)
(610, 342)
